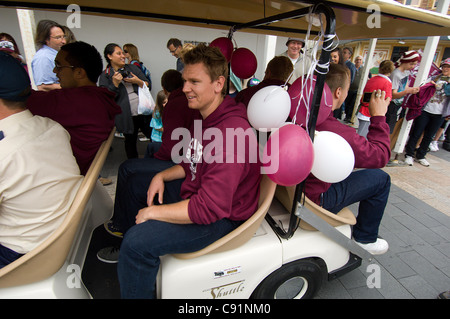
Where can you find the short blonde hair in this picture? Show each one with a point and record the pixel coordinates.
(215, 62)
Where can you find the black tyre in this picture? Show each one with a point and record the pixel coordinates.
(299, 279)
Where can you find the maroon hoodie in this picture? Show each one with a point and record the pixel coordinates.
(373, 152)
(87, 113)
(222, 182)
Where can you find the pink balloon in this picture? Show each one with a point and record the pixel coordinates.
(243, 63)
(225, 46)
(288, 155)
(325, 103)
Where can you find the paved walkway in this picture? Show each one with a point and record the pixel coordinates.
(416, 224)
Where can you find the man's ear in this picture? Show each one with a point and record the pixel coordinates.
(336, 95)
(80, 73)
(220, 82)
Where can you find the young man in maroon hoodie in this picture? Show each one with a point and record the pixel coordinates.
(216, 195)
(86, 111)
(370, 186)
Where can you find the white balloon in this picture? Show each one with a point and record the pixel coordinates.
(269, 108)
(334, 159)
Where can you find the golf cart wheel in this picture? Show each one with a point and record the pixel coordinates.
(300, 279)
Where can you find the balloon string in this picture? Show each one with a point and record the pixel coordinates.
(306, 92)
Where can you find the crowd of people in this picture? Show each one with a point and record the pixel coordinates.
(192, 202)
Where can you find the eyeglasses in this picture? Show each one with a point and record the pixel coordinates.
(58, 67)
(59, 37)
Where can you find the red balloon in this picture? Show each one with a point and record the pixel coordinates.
(243, 63)
(325, 103)
(288, 155)
(225, 46)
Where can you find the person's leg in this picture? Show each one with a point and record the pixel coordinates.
(350, 105)
(391, 116)
(369, 187)
(143, 122)
(145, 243)
(446, 143)
(363, 127)
(152, 148)
(416, 132)
(434, 123)
(133, 179)
(7, 256)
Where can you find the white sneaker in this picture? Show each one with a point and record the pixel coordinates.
(377, 248)
(423, 162)
(434, 146)
(409, 160)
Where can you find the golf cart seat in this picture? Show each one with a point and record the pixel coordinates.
(285, 194)
(244, 232)
(48, 258)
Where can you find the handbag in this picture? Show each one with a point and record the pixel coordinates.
(146, 103)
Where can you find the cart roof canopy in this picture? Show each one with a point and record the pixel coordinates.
(387, 18)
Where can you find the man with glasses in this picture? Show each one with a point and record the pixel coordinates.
(175, 46)
(50, 38)
(86, 111)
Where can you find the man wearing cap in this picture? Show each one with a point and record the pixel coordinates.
(8, 47)
(39, 175)
(50, 38)
(299, 59)
(399, 78)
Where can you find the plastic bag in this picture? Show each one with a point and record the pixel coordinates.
(146, 103)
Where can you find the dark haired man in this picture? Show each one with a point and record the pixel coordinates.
(86, 111)
(50, 38)
(370, 186)
(174, 45)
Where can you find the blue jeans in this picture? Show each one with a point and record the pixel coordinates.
(144, 243)
(7, 256)
(425, 123)
(133, 180)
(369, 187)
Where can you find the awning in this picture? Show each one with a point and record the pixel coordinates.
(393, 20)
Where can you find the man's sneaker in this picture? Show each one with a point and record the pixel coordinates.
(423, 162)
(113, 230)
(377, 248)
(109, 255)
(434, 146)
(409, 160)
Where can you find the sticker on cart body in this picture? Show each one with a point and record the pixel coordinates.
(227, 272)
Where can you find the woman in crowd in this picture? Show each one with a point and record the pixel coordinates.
(131, 53)
(125, 80)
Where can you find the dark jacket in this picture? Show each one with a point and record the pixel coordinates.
(124, 121)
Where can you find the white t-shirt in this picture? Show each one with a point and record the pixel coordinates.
(38, 181)
(399, 80)
(436, 104)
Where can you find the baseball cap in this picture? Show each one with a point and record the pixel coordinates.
(14, 80)
(446, 61)
(6, 46)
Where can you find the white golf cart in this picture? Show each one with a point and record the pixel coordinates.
(287, 249)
